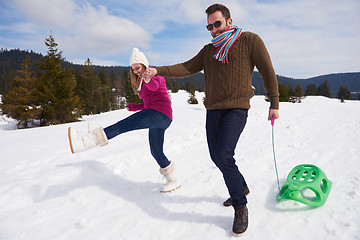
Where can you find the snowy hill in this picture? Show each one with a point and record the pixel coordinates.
(112, 192)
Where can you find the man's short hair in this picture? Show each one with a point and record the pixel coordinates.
(218, 7)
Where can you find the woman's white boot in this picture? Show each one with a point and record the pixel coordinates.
(80, 143)
(171, 177)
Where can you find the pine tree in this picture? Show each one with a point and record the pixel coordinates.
(284, 94)
(291, 92)
(7, 80)
(344, 94)
(190, 88)
(175, 87)
(298, 93)
(192, 99)
(324, 89)
(311, 90)
(19, 102)
(55, 88)
(88, 87)
(172, 85)
(104, 91)
(128, 92)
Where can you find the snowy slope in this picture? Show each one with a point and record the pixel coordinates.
(112, 192)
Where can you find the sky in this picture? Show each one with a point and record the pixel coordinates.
(305, 38)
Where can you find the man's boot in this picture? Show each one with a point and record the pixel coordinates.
(228, 201)
(240, 220)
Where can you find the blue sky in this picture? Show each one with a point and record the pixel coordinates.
(305, 38)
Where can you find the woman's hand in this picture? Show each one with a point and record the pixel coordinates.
(149, 72)
(146, 78)
(128, 106)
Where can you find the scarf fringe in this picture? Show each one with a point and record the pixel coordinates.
(224, 42)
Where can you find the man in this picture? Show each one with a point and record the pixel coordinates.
(228, 63)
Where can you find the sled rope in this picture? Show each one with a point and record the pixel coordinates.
(273, 147)
(276, 170)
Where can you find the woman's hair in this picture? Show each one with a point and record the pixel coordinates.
(135, 81)
(218, 7)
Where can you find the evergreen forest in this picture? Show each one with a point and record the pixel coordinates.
(42, 90)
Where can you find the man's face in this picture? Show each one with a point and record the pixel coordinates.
(225, 24)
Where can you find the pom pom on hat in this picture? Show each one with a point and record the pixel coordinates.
(138, 57)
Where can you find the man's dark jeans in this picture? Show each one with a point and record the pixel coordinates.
(223, 129)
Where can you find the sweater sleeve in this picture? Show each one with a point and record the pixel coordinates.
(154, 83)
(262, 61)
(135, 107)
(184, 69)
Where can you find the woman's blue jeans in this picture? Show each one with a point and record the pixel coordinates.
(155, 121)
(223, 129)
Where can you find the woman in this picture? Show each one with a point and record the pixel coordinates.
(154, 113)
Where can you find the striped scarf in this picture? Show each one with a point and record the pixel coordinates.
(224, 42)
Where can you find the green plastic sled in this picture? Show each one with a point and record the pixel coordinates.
(306, 178)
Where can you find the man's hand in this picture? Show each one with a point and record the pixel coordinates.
(273, 113)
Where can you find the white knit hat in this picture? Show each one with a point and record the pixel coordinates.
(138, 57)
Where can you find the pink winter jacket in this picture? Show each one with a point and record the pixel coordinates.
(155, 96)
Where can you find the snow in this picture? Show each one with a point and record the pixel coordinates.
(112, 192)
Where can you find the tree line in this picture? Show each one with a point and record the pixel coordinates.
(44, 93)
(289, 94)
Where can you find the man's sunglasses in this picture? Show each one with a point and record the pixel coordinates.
(216, 24)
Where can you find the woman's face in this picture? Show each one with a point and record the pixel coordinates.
(138, 68)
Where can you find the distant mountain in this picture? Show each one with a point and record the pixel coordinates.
(10, 61)
(351, 80)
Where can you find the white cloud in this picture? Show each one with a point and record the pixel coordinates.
(191, 11)
(49, 12)
(307, 38)
(84, 29)
(105, 34)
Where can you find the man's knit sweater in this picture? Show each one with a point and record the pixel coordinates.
(228, 85)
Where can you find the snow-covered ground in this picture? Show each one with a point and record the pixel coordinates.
(112, 192)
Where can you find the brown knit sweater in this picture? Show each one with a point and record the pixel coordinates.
(228, 85)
